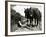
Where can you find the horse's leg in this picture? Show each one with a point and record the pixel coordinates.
(27, 20)
(37, 22)
(30, 20)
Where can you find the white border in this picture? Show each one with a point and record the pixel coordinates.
(30, 32)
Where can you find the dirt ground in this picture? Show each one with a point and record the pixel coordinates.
(21, 29)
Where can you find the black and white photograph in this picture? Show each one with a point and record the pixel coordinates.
(25, 18)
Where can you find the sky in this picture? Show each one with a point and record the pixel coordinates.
(20, 9)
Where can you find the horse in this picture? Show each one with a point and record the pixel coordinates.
(33, 13)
